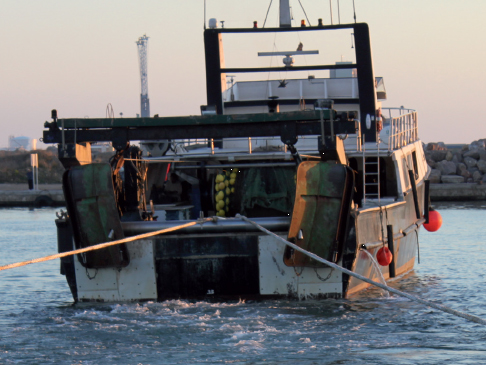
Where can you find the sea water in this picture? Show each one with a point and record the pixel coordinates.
(39, 323)
(377, 271)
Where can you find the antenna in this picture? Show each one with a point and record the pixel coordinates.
(330, 6)
(354, 11)
(339, 13)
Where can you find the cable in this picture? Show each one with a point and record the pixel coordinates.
(440, 307)
(305, 14)
(265, 22)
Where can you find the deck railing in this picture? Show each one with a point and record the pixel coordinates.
(400, 129)
(403, 128)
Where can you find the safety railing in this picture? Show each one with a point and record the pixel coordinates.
(403, 129)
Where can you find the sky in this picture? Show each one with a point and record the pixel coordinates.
(79, 56)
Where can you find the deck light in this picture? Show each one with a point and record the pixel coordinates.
(302, 23)
(255, 24)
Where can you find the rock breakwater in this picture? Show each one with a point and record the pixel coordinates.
(466, 164)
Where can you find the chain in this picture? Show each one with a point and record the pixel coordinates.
(326, 278)
(296, 273)
(91, 277)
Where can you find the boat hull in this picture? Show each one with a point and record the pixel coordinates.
(248, 264)
(372, 226)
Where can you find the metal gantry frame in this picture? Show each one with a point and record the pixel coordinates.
(142, 44)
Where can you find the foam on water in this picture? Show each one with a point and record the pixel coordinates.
(376, 268)
(39, 324)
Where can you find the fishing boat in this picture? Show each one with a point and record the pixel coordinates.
(316, 160)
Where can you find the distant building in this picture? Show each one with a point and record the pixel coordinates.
(101, 147)
(16, 143)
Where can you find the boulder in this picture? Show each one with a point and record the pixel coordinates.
(470, 162)
(477, 176)
(435, 146)
(482, 155)
(458, 157)
(481, 165)
(449, 156)
(465, 174)
(461, 170)
(477, 144)
(460, 167)
(434, 176)
(431, 163)
(474, 153)
(452, 179)
(438, 155)
(446, 167)
(472, 170)
(442, 146)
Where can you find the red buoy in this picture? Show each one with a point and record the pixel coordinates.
(384, 256)
(435, 221)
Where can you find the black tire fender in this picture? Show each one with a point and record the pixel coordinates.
(43, 201)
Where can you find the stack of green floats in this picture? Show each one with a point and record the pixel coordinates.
(224, 187)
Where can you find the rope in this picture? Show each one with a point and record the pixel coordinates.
(440, 307)
(305, 14)
(265, 22)
(102, 245)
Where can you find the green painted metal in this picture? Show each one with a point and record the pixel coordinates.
(194, 120)
(91, 206)
(317, 211)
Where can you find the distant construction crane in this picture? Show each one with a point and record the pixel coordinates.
(142, 55)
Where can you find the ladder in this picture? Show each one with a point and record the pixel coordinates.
(371, 174)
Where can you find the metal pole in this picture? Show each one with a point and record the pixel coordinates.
(330, 6)
(391, 247)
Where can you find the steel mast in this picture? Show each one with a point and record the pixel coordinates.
(142, 55)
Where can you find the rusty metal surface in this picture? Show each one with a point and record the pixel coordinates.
(318, 210)
(91, 205)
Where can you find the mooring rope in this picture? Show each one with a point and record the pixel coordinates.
(440, 307)
(103, 245)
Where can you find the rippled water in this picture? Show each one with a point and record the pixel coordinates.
(39, 324)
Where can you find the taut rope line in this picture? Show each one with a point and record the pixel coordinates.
(440, 307)
(102, 245)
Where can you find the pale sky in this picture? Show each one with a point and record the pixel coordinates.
(78, 56)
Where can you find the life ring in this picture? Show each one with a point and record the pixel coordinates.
(43, 201)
